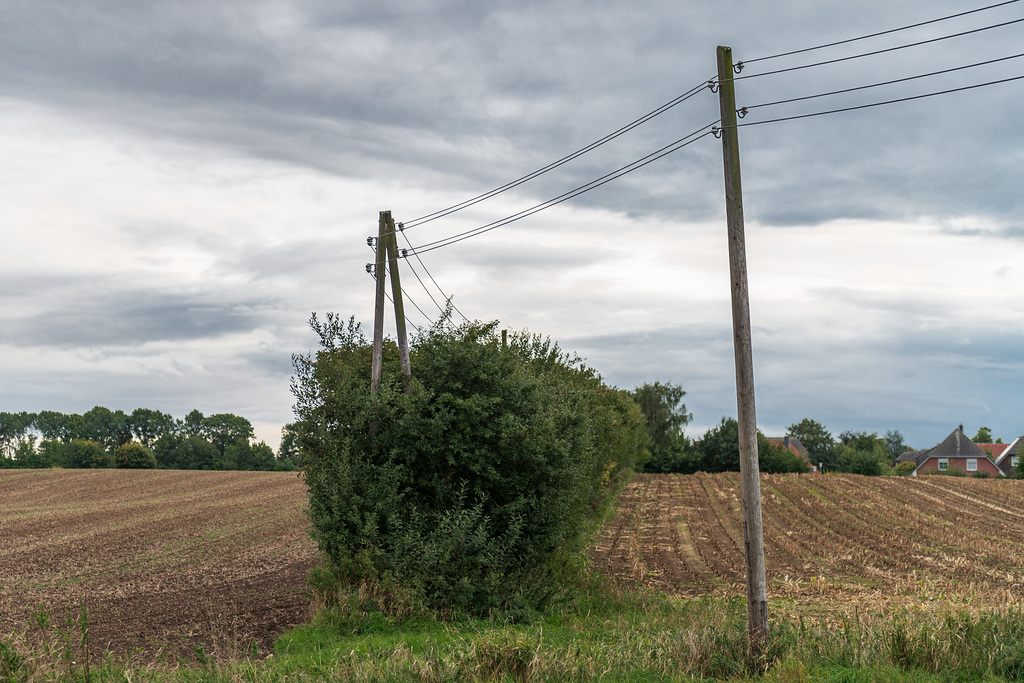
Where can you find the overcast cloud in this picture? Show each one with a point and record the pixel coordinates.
(184, 182)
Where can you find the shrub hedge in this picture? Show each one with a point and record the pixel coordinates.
(470, 490)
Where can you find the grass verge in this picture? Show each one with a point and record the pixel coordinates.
(605, 632)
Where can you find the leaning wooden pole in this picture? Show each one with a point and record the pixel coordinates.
(377, 362)
(750, 483)
(396, 294)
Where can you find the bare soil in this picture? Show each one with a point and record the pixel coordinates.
(165, 561)
(169, 561)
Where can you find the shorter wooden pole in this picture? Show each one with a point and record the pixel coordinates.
(377, 362)
(396, 294)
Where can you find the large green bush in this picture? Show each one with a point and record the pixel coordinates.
(471, 490)
(134, 456)
(83, 453)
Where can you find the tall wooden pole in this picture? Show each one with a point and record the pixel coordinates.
(378, 310)
(750, 483)
(396, 294)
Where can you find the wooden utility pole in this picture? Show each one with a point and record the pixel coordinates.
(377, 362)
(396, 294)
(750, 482)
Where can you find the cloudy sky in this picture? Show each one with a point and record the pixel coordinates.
(182, 183)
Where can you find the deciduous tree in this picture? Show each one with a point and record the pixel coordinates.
(720, 451)
(185, 452)
(895, 445)
(864, 453)
(821, 447)
(984, 435)
(13, 426)
(288, 450)
(149, 425)
(106, 427)
(225, 429)
(666, 416)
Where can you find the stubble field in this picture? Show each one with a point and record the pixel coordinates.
(833, 544)
(169, 561)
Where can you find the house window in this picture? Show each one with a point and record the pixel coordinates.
(1013, 460)
(972, 464)
(943, 464)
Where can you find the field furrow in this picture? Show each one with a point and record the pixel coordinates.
(885, 540)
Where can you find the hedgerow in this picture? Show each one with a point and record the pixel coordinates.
(470, 491)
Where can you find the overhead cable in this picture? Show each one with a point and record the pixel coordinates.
(876, 85)
(618, 173)
(406, 295)
(874, 52)
(418, 279)
(879, 104)
(447, 298)
(880, 33)
(555, 164)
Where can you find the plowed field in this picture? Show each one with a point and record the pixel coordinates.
(866, 541)
(166, 561)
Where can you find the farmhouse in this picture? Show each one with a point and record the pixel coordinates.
(793, 444)
(956, 453)
(994, 450)
(1007, 460)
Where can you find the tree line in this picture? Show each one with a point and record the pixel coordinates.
(717, 451)
(142, 439)
(855, 452)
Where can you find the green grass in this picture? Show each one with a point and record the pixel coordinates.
(603, 633)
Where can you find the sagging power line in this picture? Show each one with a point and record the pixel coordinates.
(879, 33)
(884, 83)
(453, 239)
(560, 162)
(448, 299)
(711, 128)
(739, 65)
(607, 178)
(880, 104)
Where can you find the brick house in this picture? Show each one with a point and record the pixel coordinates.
(793, 444)
(1008, 459)
(956, 453)
(994, 450)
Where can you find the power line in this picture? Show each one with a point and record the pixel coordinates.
(880, 104)
(447, 298)
(607, 178)
(892, 82)
(404, 293)
(555, 164)
(880, 33)
(418, 279)
(876, 52)
(679, 144)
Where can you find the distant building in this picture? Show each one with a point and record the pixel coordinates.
(793, 444)
(956, 453)
(1007, 460)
